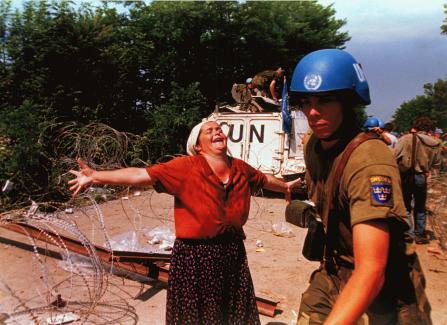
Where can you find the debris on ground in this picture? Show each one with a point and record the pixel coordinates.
(127, 241)
(281, 229)
(161, 235)
(75, 263)
(62, 318)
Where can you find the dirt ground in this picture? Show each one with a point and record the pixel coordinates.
(29, 281)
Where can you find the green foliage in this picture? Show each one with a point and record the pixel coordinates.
(173, 121)
(154, 71)
(444, 25)
(95, 65)
(433, 104)
(405, 115)
(218, 43)
(22, 160)
(69, 62)
(438, 94)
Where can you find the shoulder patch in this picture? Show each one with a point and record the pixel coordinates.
(381, 191)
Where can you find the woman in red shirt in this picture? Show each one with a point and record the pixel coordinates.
(209, 278)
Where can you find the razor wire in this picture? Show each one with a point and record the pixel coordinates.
(52, 227)
(98, 144)
(80, 291)
(83, 292)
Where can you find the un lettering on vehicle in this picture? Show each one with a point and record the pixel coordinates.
(235, 132)
(254, 141)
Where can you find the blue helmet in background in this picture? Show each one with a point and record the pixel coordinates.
(371, 123)
(381, 124)
(330, 70)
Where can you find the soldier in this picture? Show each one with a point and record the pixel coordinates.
(269, 83)
(437, 133)
(277, 84)
(387, 132)
(363, 275)
(243, 95)
(417, 154)
(373, 124)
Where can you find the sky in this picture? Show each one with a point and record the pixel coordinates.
(398, 43)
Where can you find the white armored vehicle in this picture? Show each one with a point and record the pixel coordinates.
(255, 135)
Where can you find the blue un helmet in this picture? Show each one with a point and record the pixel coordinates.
(381, 124)
(371, 123)
(330, 70)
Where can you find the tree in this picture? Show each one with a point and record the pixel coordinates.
(438, 94)
(433, 104)
(219, 43)
(69, 62)
(23, 160)
(153, 71)
(409, 111)
(94, 64)
(444, 25)
(173, 120)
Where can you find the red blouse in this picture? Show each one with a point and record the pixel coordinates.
(203, 206)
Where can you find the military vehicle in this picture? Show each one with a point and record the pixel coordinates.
(255, 134)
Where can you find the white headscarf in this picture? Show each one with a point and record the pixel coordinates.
(192, 139)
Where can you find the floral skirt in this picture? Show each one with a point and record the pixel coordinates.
(210, 283)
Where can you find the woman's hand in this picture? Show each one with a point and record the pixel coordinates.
(274, 184)
(290, 186)
(122, 176)
(84, 177)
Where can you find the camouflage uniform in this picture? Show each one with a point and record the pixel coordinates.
(369, 189)
(262, 80)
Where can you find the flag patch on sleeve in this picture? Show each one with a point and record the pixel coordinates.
(381, 191)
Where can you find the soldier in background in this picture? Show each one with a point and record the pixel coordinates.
(364, 275)
(444, 152)
(437, 133)
(269, 83)
(375, 125)
(387, 132)
(417, 154)
(243, 95)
